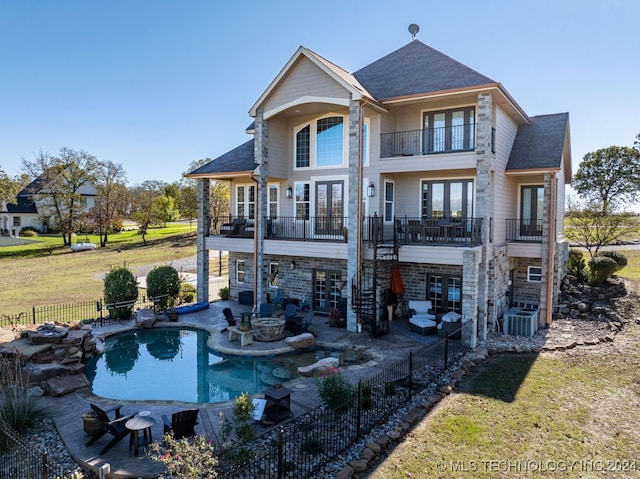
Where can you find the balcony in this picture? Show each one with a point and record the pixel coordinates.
(451, 139)
(524, 230)
(404, 231)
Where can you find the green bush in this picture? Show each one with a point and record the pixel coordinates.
(28, 231)
(224, 293)
(187, 293)
(335, 391)
(239, 452)
(601, 268)
(618, 257)
(195, 458)
(163, 282)
(120, 286)
(576, 265)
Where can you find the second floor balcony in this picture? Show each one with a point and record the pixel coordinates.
(526, 230)
(402, 231)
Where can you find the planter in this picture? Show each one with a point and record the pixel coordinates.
(173, 316)
(91, 424)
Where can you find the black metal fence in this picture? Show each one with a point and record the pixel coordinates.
(305, 445)
(20, 459)
(68, 313)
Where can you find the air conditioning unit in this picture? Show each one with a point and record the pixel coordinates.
(520, 324)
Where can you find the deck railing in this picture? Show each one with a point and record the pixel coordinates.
(524, 230)
(429, 141)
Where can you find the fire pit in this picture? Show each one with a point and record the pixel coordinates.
(268, 329)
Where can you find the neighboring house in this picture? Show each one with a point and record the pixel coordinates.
(414, 161)
(31, 208)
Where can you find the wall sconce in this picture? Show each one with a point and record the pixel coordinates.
(292, 265)
(288, 192)
(371, 190)
(340, 284)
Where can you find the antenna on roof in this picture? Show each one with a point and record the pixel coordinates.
(413, 29)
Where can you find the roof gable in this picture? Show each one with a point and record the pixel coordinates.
(240, 159)
(415, 69)
(541, 144)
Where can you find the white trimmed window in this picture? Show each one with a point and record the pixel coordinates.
(302, 201)
(240, 271)
(272, 198)
(534, 274)
(273, 275)
(389, 197)
(320, 143)
(246, 201)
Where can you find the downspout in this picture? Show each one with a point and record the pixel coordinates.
(255, 251)
(552, 247)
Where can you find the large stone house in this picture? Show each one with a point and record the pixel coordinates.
(415, 164)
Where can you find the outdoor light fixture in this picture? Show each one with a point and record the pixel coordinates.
(371, 190)
(288, 192)
(293, 265)
(340, 284)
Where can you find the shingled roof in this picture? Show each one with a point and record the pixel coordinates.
(414, 69)
(539, 144)
(237, 160)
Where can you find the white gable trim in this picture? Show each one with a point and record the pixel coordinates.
(302, 51)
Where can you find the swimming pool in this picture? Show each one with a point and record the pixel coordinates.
(175, 364)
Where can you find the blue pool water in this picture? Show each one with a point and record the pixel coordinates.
(176, 364)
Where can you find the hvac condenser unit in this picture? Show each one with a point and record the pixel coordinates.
(519, 321)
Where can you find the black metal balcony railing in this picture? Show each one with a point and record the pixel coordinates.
(426, 231)
(524, 230)
(430, 141)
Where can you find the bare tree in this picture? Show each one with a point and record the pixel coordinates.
(59, 184)
(110, 200)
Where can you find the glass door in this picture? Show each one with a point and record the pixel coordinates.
(326, 294)
(329, 207)
(531, 210)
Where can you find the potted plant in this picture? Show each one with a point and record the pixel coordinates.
(91, 423)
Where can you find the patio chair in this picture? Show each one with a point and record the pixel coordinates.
(115, 427)
(181, 424)
(277, 301)
(293, 321)
(228, 315)
(306, 322)
(266, 310)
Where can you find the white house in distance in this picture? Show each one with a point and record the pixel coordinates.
(415, 163)
(31, 207)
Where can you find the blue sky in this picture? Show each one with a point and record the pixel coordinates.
(154, 84)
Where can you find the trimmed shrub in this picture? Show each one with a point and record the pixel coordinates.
(28, 231)
(224, 293)
(335, 391)
(601, 268)
(618, 257)
(187, 293)
(163, 282)
(120, 286)
(576, 266)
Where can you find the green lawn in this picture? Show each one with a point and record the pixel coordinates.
(46, 273)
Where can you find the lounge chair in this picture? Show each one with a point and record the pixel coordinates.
(266, 310)
(115, 427)
(293, 321)
(182, 423)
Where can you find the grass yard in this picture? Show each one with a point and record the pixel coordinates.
(45, 273)
(565, 414)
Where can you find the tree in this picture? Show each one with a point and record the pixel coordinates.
(609, 177)
(143, 211)
(593, 228)
(111, 198)
(166, 210)
(60, 181)
(219, 192)
(9, 188)
(188, 204)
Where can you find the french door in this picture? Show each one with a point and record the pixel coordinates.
(329, 207)
(326, 294)
(531, 210)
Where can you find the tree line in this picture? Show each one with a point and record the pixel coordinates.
(59, 181)
(608, 184)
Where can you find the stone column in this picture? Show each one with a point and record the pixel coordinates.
(353, 191)
(261, 155)
(471, 262)
(202, 253)
(484, 202)
(546, 225)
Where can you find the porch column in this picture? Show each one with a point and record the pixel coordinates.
(353, 190)
(261, 154)
(484, 205)
(472, 264)
(202, 255)
(549, 254)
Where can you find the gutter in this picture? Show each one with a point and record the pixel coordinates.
(552, 247)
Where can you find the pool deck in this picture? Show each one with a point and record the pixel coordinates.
(123, 463)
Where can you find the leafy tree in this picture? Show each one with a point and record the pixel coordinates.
(163, 282)
(110, 200)
(60, 182)
(609, 177)
(120, 291)
(166, 209)
(188, 204)
(9, 188)
(142, 209)
(219, 192)
(593, 228)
